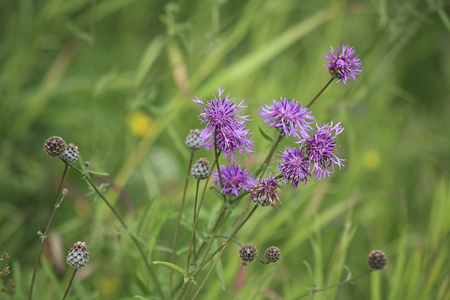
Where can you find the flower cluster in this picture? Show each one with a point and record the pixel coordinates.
(316, 156)
(225, 127)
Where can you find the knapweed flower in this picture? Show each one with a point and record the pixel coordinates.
(342, 64)
(225, 125)
(272, 254)
(265, 192)
(247, 253)
(55, 146)
(288, 117)
(200, 169)
(193, 140)
(377, 260)
(235, 179)
(321, 148)
(78, 257)
(294, 166)
(232, 139)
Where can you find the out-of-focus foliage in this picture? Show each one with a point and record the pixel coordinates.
(117, 77)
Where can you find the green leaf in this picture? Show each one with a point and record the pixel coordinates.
(265, 135)
(148, 208)
(170, 265)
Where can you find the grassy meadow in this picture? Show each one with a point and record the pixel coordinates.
(117, 78)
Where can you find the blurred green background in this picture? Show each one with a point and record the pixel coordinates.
(117, 77)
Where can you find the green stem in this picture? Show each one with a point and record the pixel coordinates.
(269, 157)
(44, 236)
(320, 93)
(70, 283)
(175, 236)
(124, 225)
(314, 290)
(194, 225)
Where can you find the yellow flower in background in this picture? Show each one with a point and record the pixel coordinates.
(139, 123)
(372, 160)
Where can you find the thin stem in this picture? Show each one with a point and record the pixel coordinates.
(124, 225)
(175, 236)
(320, 93)
(215, 231)
(222, 247)
(269, 157)
(70, 283)
(44, 236)
(237, 228)
(314, 290)
(194, 225)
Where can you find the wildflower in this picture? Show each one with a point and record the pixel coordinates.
(288, 117)
(294, 167)
(235, 179)
(247, 253)
(225, 125)
(320, 149)
(341, 63)
(272, 254)
(78, 257)
(265, 192)
(200, 170)
(54, 146)
(71, 154)
(231, 139)
(193, 140)
(377, 260)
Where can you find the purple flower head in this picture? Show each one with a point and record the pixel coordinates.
(294, 167)
(220, 112)
(320, 149)
(288, 117)
(265, 192)
(341, 64)
(235, 179)
(230, 139)
(225, 126)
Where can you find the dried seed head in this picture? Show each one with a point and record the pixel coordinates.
(71, 154)
(200, 169)
(193, 140)
(78, 257)
(247, 253)
(55, 146)
(377, 260)
(272, 254)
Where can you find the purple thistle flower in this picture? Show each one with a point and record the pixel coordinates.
(230, 139)
(265, 192)
(225, 126)
(288, 117)
(320, 149)
(341, 64)
(220, 112)
(294, 167)
(235, 179)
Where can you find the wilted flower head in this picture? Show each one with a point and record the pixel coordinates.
(341, 63)
(234, 178)
(288, 117)
(320, 149)
(225, 125)
(265, 192)
(294, 167)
